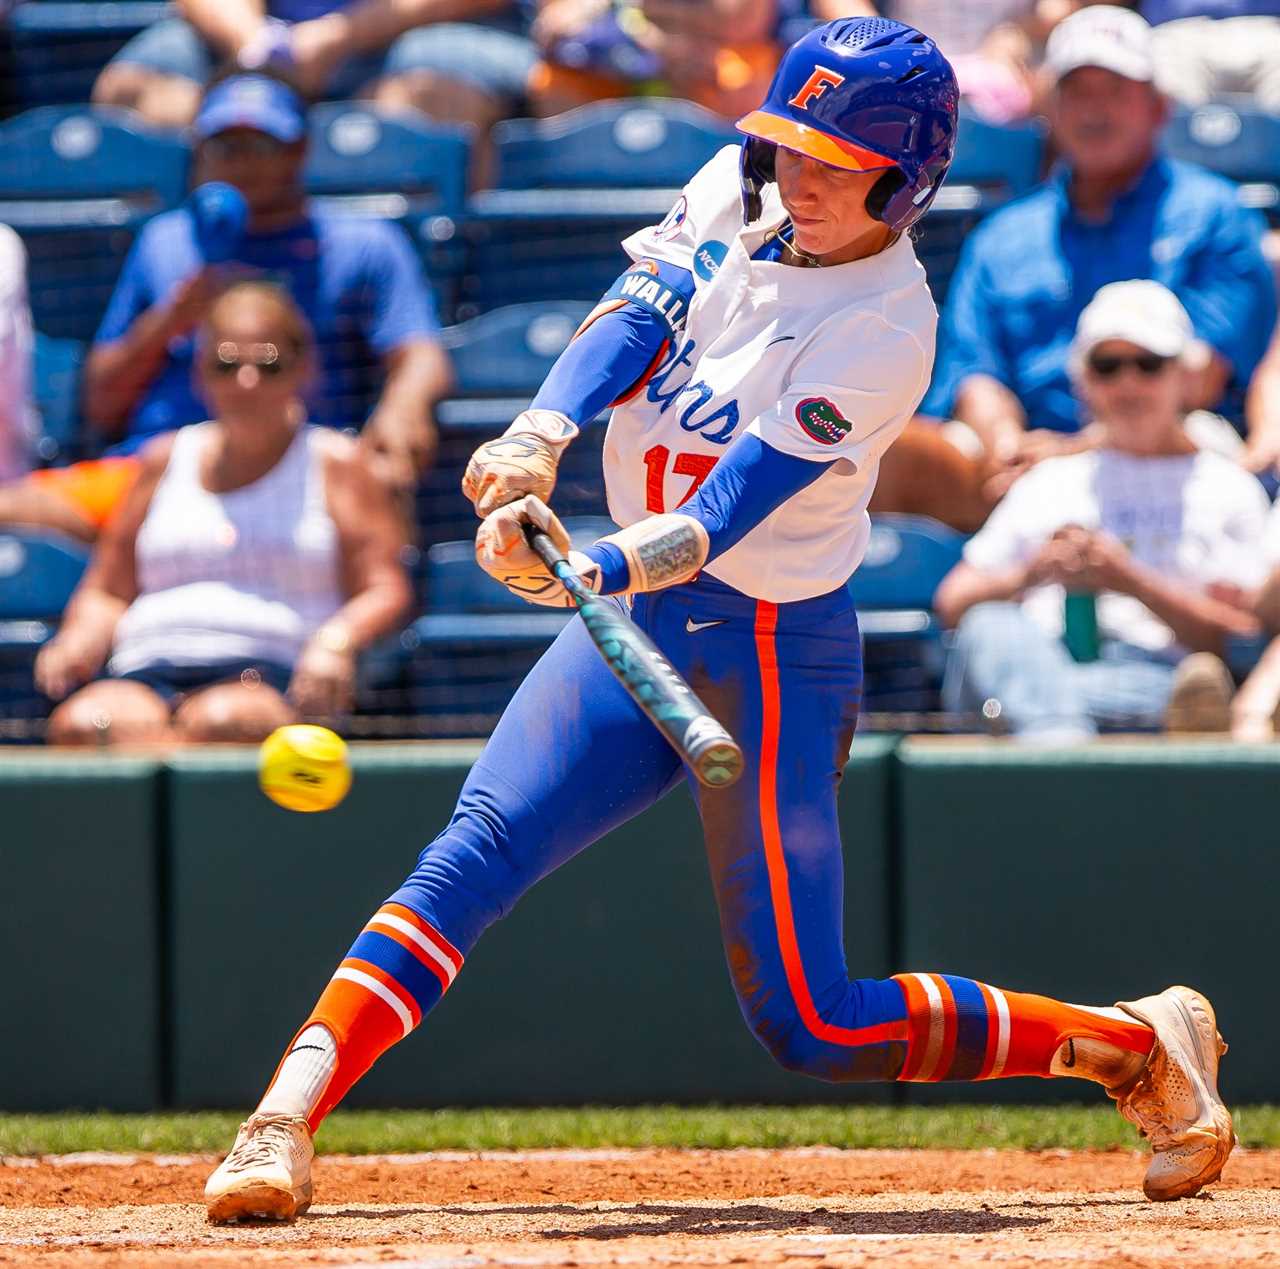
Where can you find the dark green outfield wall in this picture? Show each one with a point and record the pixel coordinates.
(174, 925)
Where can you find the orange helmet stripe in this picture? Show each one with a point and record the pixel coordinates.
(809, 141)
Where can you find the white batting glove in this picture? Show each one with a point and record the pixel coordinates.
(523, 460)
(503, 552)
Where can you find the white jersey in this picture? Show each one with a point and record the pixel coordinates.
(247, 574)
(823, 364)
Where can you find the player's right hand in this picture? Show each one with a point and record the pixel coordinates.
(523, 460)
(504, 553)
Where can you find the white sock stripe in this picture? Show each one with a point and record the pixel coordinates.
(418, 938)
(933, 1050)
(382, 992)
(1002, 1036)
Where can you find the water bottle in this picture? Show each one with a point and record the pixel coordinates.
(1080, 624)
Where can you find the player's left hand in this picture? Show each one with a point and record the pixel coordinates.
(504, 553)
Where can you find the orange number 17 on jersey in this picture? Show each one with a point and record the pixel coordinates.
(696, 466)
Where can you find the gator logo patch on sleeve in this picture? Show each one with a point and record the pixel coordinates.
(822, 421)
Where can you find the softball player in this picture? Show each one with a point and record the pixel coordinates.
(771, 339)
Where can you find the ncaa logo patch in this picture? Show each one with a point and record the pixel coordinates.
(708, 258)
(670, 224)
(821, 421)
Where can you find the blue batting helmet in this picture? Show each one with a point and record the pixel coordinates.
(862, 94)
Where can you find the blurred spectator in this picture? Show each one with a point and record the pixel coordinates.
(443, 57)
(1114, 209)
(17, 413)
(1148, 524)
(718, 53)
(1262, 412)
(253, 559)
(1255, 711)
(1207, 47)
(357, 280)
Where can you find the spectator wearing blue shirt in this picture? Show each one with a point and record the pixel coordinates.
(356, 279)
(459, 61)
(1207, 47)
(1114, 209)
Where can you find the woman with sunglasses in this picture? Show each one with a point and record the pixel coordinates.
(1149, 525)
(252, 561)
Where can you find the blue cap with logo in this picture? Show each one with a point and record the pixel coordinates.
(252, 101)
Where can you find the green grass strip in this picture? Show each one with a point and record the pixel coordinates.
(397, 1131)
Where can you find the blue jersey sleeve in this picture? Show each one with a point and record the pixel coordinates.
(746, 486)
(611, 356)
(402, 305)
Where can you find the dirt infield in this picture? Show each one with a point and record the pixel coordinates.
(911, 1209)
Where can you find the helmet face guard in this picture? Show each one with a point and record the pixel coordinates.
(861, 94)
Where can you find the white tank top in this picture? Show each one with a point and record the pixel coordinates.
(223, 576)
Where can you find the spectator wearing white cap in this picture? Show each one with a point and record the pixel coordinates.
(1151, 525)
(1113, 209)
(1207, 47)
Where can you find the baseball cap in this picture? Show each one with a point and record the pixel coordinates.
(1102, 35)
(1140, 312)
(252, 101)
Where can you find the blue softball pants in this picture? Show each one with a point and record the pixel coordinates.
(573, 757)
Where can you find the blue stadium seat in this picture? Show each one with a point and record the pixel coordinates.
(993, 164)
(366, 162)
(509, 351)
(77, 182)
(907, 557)
(60, 47)
(609, 145)
(500, 359)
(1237, 140)
(38, 573)
(57, 365)
(468, 654)
(570, 188)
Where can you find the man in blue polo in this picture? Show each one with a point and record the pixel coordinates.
(356, 279)
(1114, 209)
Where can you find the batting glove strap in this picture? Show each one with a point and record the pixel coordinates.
(661, 551)
(556, 429)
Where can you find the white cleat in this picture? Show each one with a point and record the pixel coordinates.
(1174, 1099)
(267, 1175)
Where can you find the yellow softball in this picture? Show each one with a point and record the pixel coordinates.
(304, 768)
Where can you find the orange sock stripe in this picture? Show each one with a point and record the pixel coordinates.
(372, 978)
(425, 951)
(446, 949)
(766, 625)
(919, 1023)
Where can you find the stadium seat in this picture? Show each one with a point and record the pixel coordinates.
(60, 47)
(509, 351)
(77, 182)
(366, 162)
(1237, 140)
(500, 359)
(57, 365)
(907, 557)
(570, 188)
(38, 573)
(468, 654)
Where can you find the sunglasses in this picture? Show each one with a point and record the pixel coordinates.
(264, 358)
(1148, 364)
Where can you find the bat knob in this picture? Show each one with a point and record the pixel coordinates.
(713, 754)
